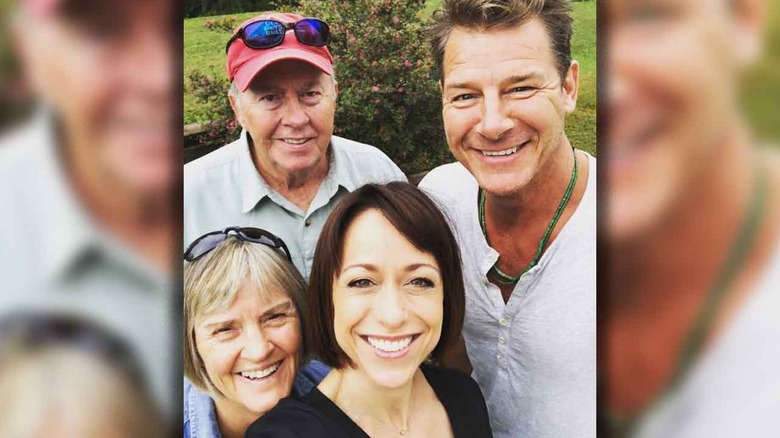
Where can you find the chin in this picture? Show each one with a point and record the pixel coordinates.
(391, 379)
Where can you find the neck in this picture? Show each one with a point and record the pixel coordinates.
(233, 421)
(535, 202)
(685, 250)
(370, 405)
(300, 186)
(144, 222)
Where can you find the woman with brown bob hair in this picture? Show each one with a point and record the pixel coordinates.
(386, 301)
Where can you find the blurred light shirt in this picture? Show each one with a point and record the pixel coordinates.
(53, 257)
(225, 189)
(733, 389)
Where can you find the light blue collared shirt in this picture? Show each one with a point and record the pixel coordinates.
(200, 415)
(224, 189)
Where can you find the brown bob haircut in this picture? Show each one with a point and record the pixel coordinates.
(486, 15)
(418, 219)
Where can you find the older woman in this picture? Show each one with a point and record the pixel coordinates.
(243, 339)
(386, 294)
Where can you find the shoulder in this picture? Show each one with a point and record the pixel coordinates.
(291, 418)
(225, 156)
(462, 399)
(448, 180)
(366, 162)
(21, 151)
(449, 381)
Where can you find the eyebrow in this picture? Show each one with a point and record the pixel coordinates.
(285, 306)
(510, 80)
(374, 268)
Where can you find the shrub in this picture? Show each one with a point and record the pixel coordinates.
(388, 96)
(223, 24)
(211, 92)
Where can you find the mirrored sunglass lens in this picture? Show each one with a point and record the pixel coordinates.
(206, 244)
(264, 34)
(312, 32)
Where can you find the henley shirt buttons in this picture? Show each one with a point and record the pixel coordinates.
(503, 322)
(502, 340)
(500, 359)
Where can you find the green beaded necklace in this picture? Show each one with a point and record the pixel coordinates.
(505, 278)
(621, 425)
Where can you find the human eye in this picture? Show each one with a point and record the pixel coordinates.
(311, 96)
(422, 282)
(522, 89)
(268, 98)
(360, 283)
(463, 97)
(222, 330)
(276, 318)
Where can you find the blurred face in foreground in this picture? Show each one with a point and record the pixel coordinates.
(250, 351)
(504, 103)
(388, 302)
(671, 101)
(105, 68)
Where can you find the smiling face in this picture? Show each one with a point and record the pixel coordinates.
(288, 111)
(671, 102)
(105, 68)
(250, 351)
(504, 103)
(387, 300)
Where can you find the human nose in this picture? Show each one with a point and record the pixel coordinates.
(256, 345)
(390, 307)
(295, 114)
(494, 123)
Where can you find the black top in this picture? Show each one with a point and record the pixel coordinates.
(316, 416)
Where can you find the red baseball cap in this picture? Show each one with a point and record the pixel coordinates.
(244, 63)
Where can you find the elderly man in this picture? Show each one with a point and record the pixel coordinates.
(287, 170)
(690, 322)
(522, 201)
(87, 186)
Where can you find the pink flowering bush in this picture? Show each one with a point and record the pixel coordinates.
(211, 92)
(222, 24)
(388, 94)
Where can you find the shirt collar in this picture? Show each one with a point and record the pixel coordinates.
(68, 234)
(64, 230)
(254, 188)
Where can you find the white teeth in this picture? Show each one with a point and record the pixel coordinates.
(295, 141)
(389, 346)
(509, 151)
(261, 374)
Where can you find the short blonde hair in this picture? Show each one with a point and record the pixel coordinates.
(212, 283)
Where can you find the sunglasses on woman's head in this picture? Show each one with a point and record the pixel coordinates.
(264, 34)
(209, 241)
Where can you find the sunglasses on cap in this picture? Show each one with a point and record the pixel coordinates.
(264, 34)
(209, 241)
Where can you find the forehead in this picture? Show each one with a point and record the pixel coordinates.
(525, 44)
(250, 297)
(288, 73)
(112, 12)
(371, 237)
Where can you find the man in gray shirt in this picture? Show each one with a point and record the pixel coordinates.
(522, 202)
(287, 170)
(86, 186)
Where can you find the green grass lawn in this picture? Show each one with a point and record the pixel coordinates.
(204, 49)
